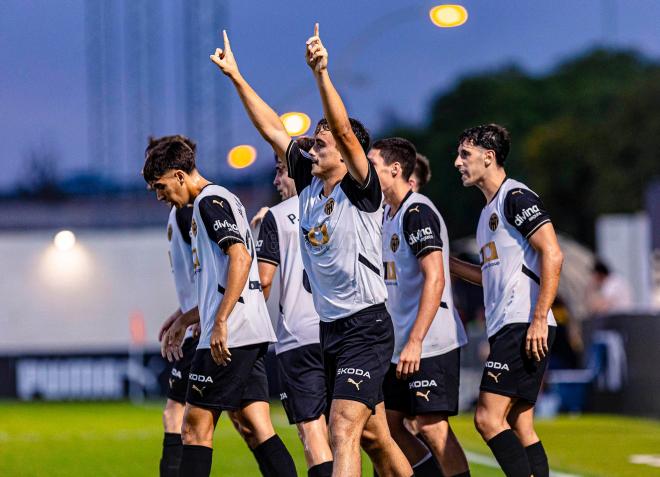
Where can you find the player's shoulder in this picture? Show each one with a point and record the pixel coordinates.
(419, 204)
(512, 189)
(286, 206)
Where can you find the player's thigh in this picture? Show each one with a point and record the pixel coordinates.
(347, 419)
(376, 430)
(256, 418)
(491, 413)
(173, 416)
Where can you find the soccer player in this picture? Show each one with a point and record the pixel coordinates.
(519, 272)
(423, 379)
(299, 356)
(227, 370)
(421, 174)
(340, 223)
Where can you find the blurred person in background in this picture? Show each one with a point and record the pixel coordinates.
(421, 173)
(608, 292)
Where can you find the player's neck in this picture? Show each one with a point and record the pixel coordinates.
(395, 194)
(491, 183)
(195, 184)
(330, 183)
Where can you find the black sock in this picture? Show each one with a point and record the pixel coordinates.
(196, 461)
(171, 457)
(510, 454)
(262, 469)
(321, 470)
(427, 467)
(274, 458)
(538, 460)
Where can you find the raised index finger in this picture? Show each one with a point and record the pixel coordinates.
(316, 29)
(226, 40)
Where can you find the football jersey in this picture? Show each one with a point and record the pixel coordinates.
(510, 267)
(415, 230)
(340, 239)
(219, 220)
(279, 245)
(180, 252)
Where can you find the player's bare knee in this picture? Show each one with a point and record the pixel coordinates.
(436, 428)
(484, 421)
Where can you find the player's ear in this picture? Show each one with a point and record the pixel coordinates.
(489, 157)
(180, 177)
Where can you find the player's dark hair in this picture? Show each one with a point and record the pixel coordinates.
(358, 129)
(397, 149)
(167, 155)
(489, 136)
(305, 143)
(600, 268)
(155, 141)
(422, 170)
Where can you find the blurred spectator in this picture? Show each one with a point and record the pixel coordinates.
(568, 345)
(607, 292)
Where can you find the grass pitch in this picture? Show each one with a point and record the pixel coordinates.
(119, 439)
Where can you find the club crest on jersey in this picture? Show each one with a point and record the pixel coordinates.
(169, 233)
(493, 222)
(317, 236)
(329, 206)
(193, 227)
(394, 243)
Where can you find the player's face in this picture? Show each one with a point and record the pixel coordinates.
(470, 162)
(171, 188)
(384, 171)
(326, 158)
(283, 183)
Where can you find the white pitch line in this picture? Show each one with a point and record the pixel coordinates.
(491, 462)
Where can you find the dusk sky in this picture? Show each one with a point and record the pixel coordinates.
(386, 58)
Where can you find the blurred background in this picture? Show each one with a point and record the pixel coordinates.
(85, 281)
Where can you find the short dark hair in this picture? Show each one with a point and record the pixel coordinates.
(166, 155)
(422, 170)
(489, 136)
(155, 141)
(358, 129)
(398, 149)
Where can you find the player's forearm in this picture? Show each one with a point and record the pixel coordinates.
(237, 275)
(190, 317)
(429, 303)
(264, 118)
(465, 271)
(551, 262)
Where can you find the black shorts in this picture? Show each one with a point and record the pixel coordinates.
(178, 379)
(508, 370)
(433, 389)
(302, 377)
(356, 355)
(231, 387)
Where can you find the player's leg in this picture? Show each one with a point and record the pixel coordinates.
(172, 445)
(414, 450)
(197, 437)
(318, 455)
(490, 419)
(347, 420)
(521, 420)
(446, 449)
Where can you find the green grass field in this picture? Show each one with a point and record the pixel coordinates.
(119, 439)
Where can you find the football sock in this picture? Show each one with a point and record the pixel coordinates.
(538, 460)
(321, 470)
(510, 454)
(427, 467)
(196, 461)
(274, 458)
(171, 458)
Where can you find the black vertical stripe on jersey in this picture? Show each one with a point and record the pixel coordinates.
(183, 221)
(299, 164)
(268, 244)
(366, 197)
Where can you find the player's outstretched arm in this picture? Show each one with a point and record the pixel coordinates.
(335, 111)
(551, 257)
(262, 116)
(465, 271)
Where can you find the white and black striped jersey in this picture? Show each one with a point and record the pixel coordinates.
(417, 229)
(279, 245)
(180, 252)
(219, 220)
(510, 267)
(340, 238)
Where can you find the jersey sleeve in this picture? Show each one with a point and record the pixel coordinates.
(268, 244)
(524, 210)
(184, 221)
(219, 221)
(421, 227)
(367, 197)
(299, 163)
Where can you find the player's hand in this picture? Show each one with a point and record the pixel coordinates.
(315, 53)
(196, 330)
(224, 58)
(536, 344)
(219, 349)
(167, 323)
(171, 344)
(258, 217)
(409, 360)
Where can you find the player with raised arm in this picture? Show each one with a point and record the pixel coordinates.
(227, 370)
(520, 265)
(423, 379)
(299, 356)
(340, 214)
